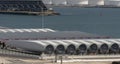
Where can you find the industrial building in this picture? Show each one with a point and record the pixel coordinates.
(25, 7)
(50, 41)
(21, 5)
(79, 46)
(35, 34)
(66, 2)
(108, 3)
(114, 2)
(55, 45)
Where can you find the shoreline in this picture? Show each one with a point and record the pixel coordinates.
(46, 13)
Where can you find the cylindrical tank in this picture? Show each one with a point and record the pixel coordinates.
(117, 43)
(32, 45)
(95, 2)
(59, 48)
(91, 47)
(81, 48)
(103, 47)
(70, 48)
(72, 42)
(113, 46)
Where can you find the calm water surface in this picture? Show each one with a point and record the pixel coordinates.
(102, 21)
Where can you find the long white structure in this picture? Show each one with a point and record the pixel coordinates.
(84, 2)
(59, 2)
(108, 3)
(114, 2)
(66, 2)
(37, 34)
(95, 2)
(77, 2)
(49, 2)
(64, 46)
(50, 41)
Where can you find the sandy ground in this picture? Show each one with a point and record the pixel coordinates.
(7, 57)
(7, 60)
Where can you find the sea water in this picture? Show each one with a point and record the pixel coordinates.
(101, 21)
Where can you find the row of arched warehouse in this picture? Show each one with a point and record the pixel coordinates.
(83, 2)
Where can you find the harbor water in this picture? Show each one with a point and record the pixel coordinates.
(101, 21)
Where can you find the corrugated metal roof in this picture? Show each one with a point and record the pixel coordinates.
(26, 30)
(41, 34)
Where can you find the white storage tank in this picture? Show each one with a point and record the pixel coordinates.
(95, 2)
